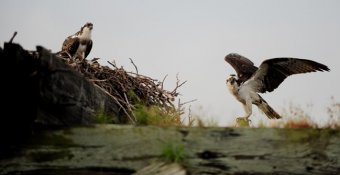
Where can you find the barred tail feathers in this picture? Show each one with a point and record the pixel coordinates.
(265, 108)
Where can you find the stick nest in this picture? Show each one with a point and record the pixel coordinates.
(128, 89)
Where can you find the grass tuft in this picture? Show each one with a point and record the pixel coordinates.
(155, 115)
(173, 152)
(102, 118)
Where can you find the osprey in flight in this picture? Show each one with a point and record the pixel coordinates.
(252, 80)
(78, 45)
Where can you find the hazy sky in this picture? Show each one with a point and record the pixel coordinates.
(191, 38)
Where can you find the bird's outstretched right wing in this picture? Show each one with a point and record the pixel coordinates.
(243, 66)
(273, 72)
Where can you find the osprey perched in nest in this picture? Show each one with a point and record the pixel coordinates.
(78, 45)
(252, 80)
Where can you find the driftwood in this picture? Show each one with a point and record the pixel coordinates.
(119, 149)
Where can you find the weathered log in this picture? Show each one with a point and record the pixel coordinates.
(124, 149)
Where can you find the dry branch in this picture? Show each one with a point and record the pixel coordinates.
(12, 38)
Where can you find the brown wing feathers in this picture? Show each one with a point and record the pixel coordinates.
(70, 45)
(272, 72)
(88, 48)
(278, 69)
(291, 66)
(243, 66)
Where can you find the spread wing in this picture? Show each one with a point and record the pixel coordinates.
(70, 45)
(88, 48)
(243, 66)
(273, 72)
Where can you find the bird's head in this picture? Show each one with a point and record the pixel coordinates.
(88, 26)
(85, 31)
(231, 80)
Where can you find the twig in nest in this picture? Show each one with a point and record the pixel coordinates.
(96, 80)
(133, 120)
(178, 84)
(113, 64)
(134, 65)
(162, 85)
(67, 53)
(190, 101)
(129, 106)
(11, 40)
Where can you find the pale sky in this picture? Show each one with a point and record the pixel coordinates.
(190, 38)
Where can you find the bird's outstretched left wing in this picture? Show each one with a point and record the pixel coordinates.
(273, 72)
(242, 65)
